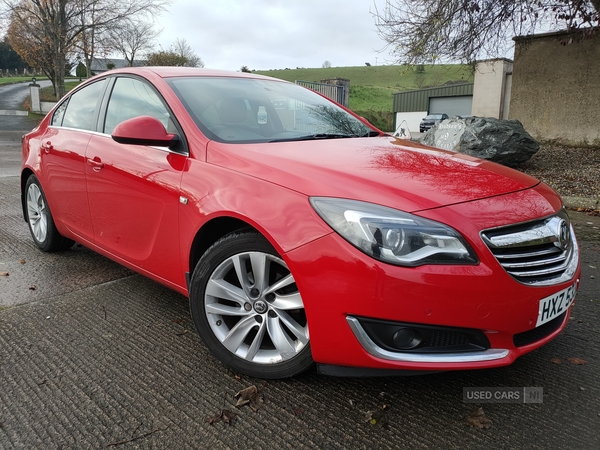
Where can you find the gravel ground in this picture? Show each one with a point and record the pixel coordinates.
(571, 171)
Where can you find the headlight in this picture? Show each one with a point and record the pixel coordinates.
(394, 236)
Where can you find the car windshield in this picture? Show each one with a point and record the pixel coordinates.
(433, 117)
(236, 110)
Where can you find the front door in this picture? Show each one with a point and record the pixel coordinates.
(134, 190)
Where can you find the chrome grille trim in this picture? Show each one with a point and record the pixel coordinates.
(561, 258)
(540, 253)
(545, 232)
(529, 254)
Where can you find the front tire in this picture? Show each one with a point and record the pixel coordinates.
(41, 224)
(247, 309)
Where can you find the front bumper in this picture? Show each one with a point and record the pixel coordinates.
(340, 284)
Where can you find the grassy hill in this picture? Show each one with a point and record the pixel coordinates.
(371, 87)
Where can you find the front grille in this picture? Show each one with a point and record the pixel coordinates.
(542, 252)
(531, 336)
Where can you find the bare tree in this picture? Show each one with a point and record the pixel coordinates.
(132, 38)
(59, 27)
(99, 19)
(466, 30)
(183, 49)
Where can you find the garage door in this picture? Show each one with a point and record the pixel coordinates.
(453, 106)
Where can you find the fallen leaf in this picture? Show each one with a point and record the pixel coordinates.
(377, 417)
(177, 320)
(22, 261)
(478, 419)
(250, 396)
(577, 361)
(555, 361)
(32, 288)
(3, 274)
(182, 333)
(224, 416)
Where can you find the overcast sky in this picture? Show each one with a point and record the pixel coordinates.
(275, 34)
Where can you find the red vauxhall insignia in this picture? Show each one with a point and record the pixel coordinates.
(300, 233)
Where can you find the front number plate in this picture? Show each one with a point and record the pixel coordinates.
(554, 305)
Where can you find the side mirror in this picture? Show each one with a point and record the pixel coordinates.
(143, 130)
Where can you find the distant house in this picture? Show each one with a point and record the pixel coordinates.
(487, 96)
(100, 65)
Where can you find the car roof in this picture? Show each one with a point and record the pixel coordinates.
(168, 72)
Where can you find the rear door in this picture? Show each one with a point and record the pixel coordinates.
(134, 190)
(63, 158)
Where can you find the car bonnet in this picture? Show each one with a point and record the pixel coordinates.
(383, 170)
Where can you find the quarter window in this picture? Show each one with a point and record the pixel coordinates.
(59, 113)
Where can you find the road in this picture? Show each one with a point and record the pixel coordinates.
(12, 97)
(93, 355)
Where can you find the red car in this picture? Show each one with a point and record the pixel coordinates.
(301, 233)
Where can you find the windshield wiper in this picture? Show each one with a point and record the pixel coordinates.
(371, 134)
(310, 137)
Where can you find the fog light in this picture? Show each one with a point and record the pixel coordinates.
(406, 338)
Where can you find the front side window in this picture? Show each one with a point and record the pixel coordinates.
(82, 106)
(133, 98)
(230, 109)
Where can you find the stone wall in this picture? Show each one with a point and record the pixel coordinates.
(19, 72)
(556, 87)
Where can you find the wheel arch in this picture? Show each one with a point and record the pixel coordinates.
(211, 232)
(25, 174)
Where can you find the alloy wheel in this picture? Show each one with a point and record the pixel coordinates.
(254, 309)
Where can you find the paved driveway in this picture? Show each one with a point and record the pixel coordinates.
(12, 97)
(94, 356)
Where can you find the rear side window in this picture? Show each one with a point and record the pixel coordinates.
(133, 98)
(82, 106)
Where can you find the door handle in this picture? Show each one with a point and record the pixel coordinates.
(96, 164)
(47, 147)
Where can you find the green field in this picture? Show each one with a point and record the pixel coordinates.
(372, 88)
(12, 80)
